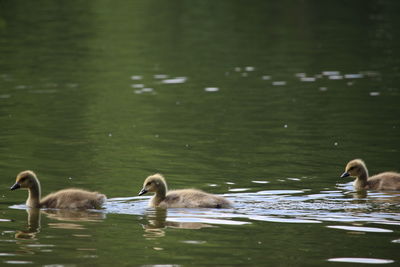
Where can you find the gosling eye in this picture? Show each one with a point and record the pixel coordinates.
(351, 168)
(149, 183)
(23, 179)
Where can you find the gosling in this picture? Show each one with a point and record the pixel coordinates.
(381, 181)
(184, 198)
(71, 198)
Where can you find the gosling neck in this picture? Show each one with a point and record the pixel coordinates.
(363, 175)
(160, 193)
(361, 180)
(33, 200)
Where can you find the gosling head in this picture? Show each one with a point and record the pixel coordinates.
(25, 179)
(355, 168)
(153, 183)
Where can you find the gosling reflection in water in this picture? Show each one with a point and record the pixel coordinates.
(34, 220)
(70, 217)
(74, 215)
(157, 220)
(33, 225)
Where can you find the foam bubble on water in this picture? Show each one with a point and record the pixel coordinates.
(137, 85)
(362, 260)
(330, 73)
(374, 93)
(238, 69)
(353, 76)
(175, 80)
(5, 96)
(249, 68)
(266, 77)
(259, 182)
(244, 74)
(335, 77)
(279, 83)
(194, 242)
(147, 90)
(211, 89)
(307, 79)
(136, 77)
(323, 89)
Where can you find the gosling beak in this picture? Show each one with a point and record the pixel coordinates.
(345, 174)
(142, 192)
(15, 186)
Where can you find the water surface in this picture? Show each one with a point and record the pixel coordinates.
(262, 102)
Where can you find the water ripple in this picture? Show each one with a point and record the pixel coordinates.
(278, 206)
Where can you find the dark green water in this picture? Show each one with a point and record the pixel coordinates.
(263, 101)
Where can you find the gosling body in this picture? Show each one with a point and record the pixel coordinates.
(382, 181)
(183, 198)
(71, 198)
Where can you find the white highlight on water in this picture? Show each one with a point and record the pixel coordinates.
(362, 260)
(175, 80)
(211, 89)
(279, 83)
